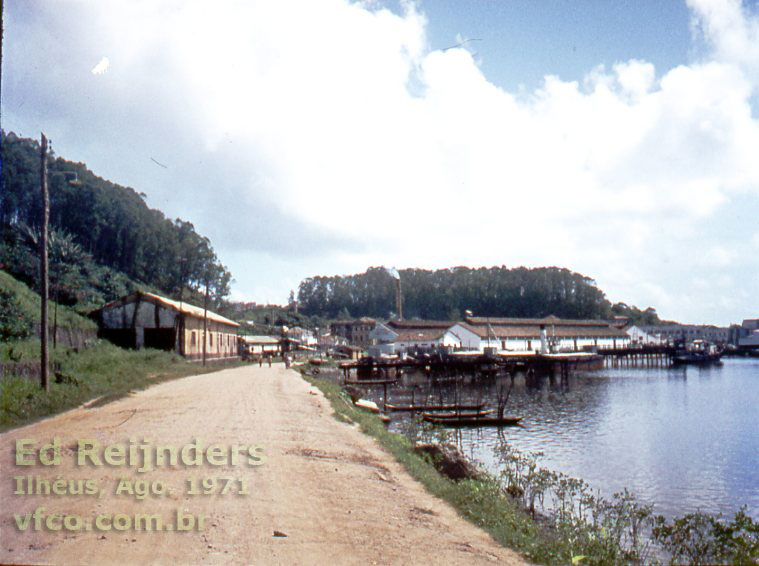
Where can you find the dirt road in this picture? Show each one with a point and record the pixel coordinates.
(337, 496)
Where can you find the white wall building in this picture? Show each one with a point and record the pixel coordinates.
(261, 344)
(397, 337)
(638, 336)
(524, 334)
(505, 334)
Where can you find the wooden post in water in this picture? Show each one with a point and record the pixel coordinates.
(44, 369)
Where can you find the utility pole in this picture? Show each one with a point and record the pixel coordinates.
(44, 369)
(205, 324)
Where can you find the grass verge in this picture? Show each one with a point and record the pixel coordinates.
(483, 502)
(103, 371)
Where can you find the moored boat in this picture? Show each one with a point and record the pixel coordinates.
(474, 421)
(423, 408)
(459, 415)
(697, 352)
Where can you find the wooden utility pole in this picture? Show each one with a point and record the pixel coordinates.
(205, 324)
(44, 369)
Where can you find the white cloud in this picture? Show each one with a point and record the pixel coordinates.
(731, 29)
(337, 116)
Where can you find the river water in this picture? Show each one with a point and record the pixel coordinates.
(684, 439)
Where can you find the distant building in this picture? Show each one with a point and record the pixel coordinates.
(640, 337)
(396, 337)
(302, 336)
(512, 334)
(146, 320)
(266, 345)
(356, 332)
(746, 335)
(524, 334)
(327, 342)
(688, 332)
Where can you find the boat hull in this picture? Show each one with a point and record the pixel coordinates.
(689, 358)
(475, 421)
(423, 408)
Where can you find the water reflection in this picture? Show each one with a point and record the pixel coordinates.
(685, 439)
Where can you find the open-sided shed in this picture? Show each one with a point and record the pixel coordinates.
(147, 320)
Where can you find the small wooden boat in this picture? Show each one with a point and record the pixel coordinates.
(370, 381)
(427, 408)
(458, 415)
(370, 406)
(474, 421)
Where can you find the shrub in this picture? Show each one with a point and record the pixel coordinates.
(14, 325)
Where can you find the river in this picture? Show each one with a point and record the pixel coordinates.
(685, 439)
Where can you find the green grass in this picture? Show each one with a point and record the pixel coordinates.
(29, 301)
(483, 501)
(103, 370)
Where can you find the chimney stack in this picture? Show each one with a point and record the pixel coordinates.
(398, 298)
(398, 295)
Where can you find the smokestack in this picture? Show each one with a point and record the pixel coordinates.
(398, 295)
(398, 298)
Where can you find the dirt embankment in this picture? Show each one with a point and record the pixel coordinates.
(325, 494)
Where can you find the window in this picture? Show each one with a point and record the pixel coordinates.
(192, 338)
(210, 338)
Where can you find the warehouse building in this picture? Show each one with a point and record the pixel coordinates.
(147, 320)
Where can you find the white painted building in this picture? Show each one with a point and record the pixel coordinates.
(261, 344)
(524, 334)
(640, 337)
(397, 337)
(502, 334)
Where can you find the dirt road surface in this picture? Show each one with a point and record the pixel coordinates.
(335, 494)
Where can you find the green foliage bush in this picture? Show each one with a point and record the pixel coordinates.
(699, 539)
(14, 324)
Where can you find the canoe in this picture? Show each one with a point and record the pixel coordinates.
(475, 421)
(460, 415)
(424, 408)
(370, 406)
(370, 381)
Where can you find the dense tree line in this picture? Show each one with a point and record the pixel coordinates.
(447, 294)
(108, 225)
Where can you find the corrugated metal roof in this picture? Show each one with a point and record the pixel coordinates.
(530, 328)
(419, 334)
(422, 324)
(259, 339)
(184, 308)
(547, 321)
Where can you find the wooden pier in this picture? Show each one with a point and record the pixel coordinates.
(642, 356)
(370, 370)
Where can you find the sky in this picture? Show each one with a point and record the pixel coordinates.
(321, 137)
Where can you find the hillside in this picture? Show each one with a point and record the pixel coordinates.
(20, 308)
(447, 294)
(109, 241)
